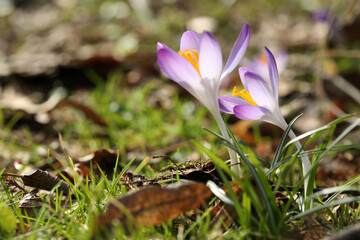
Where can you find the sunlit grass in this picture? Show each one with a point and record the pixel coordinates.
(133, 122)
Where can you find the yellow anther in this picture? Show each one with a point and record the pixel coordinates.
(245, 95)
(193, 58)
(196, 55)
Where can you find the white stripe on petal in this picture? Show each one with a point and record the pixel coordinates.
(190, 40)
(259, 90)
(249, 112)
(210, 62)
(178, 69)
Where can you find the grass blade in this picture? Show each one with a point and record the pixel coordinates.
(280, 147)
(325, 206)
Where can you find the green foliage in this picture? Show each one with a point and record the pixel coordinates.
(8, 222)
(133, 117)
(260, 195)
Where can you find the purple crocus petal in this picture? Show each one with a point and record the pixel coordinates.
(260, 66)
(237, 51)
(178, 69)
(160, 46)
(227, 104)
(190, 40)
(257, 88)
(210, 60)
(250, 112)
(273, 73)
(242, 72)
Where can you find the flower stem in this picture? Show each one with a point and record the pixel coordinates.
(305, 162)
(235, 162)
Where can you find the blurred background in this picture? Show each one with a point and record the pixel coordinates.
(87, 69)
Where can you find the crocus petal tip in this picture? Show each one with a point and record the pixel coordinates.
(247, 28)
(267, 50)
(160, 45)
(208, 34)
(243, 70)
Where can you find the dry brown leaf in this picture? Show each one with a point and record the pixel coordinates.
(12, 98)
(154, 205)
(194, 171)
(31, 204)
(43, 180)
(311, 230)
(103, 158)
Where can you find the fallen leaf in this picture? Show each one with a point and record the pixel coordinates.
(194, 171)
(154, 205)
(31, 204)
(13, 99)
(312, 229)
(43, 180)
(103, 158)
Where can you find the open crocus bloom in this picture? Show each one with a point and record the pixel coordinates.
(259, 101)
(198, 67)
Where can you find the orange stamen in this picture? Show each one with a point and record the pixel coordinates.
(245, 95)
(193, 58)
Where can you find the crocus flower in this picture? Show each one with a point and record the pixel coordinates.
(198, 67)
(259, 101)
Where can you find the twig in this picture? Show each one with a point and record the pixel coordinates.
(169, 158)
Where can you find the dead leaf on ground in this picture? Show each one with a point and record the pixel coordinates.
(312, 229)
(41, 180)
(12, 98)
(194, 171)
(30, 204)
(15, 98)
(104, 159)
(154, 205)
